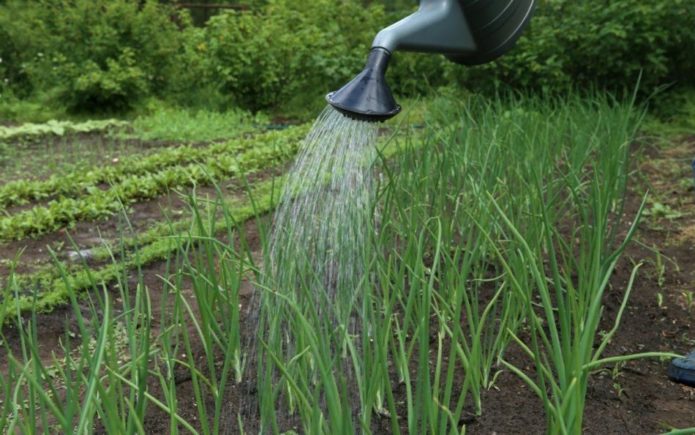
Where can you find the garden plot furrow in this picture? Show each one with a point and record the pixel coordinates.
(47, 287)
(80, 182)
(101, 203)
(42, 291)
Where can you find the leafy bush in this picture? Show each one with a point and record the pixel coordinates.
(97, 55)
(262, 58)
(11, 77)
(596, 43)
(288, 51)
(4, 153)
(106, 55)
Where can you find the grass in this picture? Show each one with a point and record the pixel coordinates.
(493, 232)
(25, 155)
(673, 114)
(195, 126)
(21, 110)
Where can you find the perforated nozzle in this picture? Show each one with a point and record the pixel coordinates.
(367, 97)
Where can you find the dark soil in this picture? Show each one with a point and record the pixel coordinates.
(137, 218)
(636, 397)
(639, 398)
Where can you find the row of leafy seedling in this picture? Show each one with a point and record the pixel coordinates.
(131, 188)
(33, 132)
(79, 182)
(46, 287)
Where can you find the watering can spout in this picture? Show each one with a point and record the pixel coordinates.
(466, 31)
(367, 97)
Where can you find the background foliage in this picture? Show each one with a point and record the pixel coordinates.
(597, 43)
(114, 55)
(90, 55)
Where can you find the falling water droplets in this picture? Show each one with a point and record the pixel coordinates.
(315, 264)
(321, 224)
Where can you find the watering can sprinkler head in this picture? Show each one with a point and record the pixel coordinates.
(367, 97)
(468, 32)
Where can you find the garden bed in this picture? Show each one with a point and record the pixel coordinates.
(209, 272)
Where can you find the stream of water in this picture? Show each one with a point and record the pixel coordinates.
(322, 221)
(315, 266)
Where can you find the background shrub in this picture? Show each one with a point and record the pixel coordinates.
(96, 55)
(603, 43)
(265, 57)
(109, 55)
(10, 72)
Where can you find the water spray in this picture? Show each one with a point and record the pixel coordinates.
(468, 32)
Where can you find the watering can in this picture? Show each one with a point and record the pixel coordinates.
(468, 32)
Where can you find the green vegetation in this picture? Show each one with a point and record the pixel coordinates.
(50, 287)
(608, 45)
(195, 126)
(80, 182)
(510, 225)
(497, 229)
(285, 55)
(27, 133)
(129, 54)
(672, 115)
(148, 178)
(102, 379)
(45, 288)
(505, 214)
